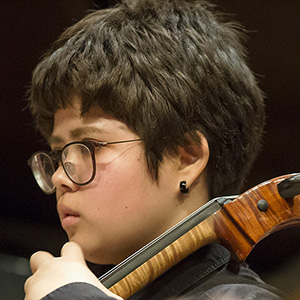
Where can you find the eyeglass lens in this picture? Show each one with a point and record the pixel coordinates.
(43, 169)
(77, 162)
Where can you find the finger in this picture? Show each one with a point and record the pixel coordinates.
(39, 258)
(26, 285)
(72, 250)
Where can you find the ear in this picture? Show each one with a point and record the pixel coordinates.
(193, 160)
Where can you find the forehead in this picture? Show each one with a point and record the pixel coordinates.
(69, 124)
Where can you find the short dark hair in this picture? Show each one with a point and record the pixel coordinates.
(169, 69)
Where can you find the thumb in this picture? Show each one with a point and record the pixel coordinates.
(39, 258)
(73, 251)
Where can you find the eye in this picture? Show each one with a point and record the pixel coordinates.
(55, 155)
(84, 150)
(65, 153)
(92, 144)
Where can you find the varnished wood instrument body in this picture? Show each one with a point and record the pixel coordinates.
(164, 260)
(239, 226)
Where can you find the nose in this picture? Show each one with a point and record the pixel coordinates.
(62, 182)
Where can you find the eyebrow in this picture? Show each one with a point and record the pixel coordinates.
(76, 134)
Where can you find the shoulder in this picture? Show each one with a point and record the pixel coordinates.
(238, 292)
(209, 274)
(233, 281)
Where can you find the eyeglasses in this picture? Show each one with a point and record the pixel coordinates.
(76, 158)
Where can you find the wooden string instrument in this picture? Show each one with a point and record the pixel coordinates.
(237, 222)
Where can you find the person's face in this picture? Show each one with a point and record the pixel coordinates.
(122, 209)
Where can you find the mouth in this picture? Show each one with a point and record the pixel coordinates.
(69, 214)
(68, 217)
(69, 221)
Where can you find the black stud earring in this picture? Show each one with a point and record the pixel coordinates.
(183, 188)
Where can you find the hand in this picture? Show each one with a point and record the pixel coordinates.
(50, 273)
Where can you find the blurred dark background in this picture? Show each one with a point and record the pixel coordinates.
(28, 220)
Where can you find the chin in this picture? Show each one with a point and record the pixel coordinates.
(99, 252)
(94, 254)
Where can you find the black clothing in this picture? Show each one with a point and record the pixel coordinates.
(206, 274)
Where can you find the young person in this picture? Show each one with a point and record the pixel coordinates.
(150, 110)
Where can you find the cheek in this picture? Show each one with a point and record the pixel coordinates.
(119, 189)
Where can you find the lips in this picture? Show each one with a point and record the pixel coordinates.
(68, 217)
